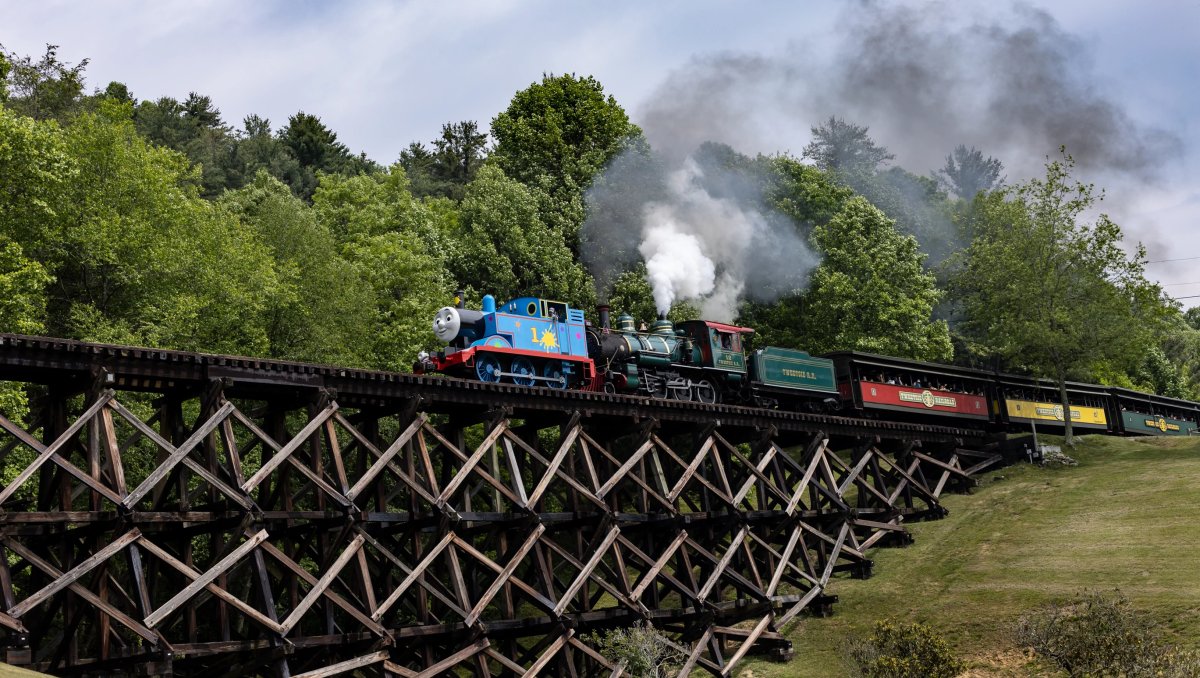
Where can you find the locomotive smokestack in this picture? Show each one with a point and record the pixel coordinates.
(662, 316)
(459, 302)
(603, 310)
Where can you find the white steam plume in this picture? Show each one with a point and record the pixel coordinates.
(675, 263)
(717, 250)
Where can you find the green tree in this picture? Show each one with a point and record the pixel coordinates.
(968, 173)
(1179, 342)
(22, 290)
(194, 127)
(459, 152)
(399, 246)
(446, 170)
(910, 650)
(119, 92)
(554, 137)
(811, 198)
(47, 89)
(317, 150)
(138, 257)
(806, 194)
(1049, 292)
(1192, 316)
(641, 650)
(840, 146)
(870, 292)
(1102, 634)
(382, 202)
(35, 170)
(22, 310)
(258, 149)
(916, 203)
(5, 70)
(323, 310)
(408, 284)
(418, 163)
(508, 251)
(919, 207)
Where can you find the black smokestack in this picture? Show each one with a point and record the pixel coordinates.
(604, 310)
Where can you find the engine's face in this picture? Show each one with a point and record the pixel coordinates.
(447, 324)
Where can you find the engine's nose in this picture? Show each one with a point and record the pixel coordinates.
(446, 324)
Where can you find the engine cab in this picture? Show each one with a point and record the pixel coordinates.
(720, 345)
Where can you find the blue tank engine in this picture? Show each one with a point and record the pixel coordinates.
(526, 341)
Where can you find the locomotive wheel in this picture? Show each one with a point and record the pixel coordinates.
(487, 368)
(684, 394)
(658, 389)
(704, 392)
(554, 371)
(523, 366)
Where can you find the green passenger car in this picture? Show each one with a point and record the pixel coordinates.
(1156, 425)
(1146, 414)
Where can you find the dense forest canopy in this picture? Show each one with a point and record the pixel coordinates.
(157, 222)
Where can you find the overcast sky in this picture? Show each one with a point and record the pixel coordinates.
(383, 74)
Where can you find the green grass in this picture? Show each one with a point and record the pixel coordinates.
(1124, 518)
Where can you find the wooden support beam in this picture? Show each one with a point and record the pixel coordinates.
(583, 575)
(346, 666)
(193, 574)
(201, 582)
(323, 583)
(294, 444)
(130, 623)
(465, 470)
(747, 644)
(419, 570)
(387, 456)
(515, 561)
(74, 574)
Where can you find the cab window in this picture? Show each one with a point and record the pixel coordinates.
(728, 341)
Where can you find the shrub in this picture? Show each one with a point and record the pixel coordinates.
(897, 650)
(1097, 634)
(643, 650)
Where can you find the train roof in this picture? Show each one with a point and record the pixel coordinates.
(1038, 382)
(886, 361)
(722, 327)
(1130, 394)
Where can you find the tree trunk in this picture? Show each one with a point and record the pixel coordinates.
(1069, 438)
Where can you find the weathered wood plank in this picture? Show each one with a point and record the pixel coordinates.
(176, 601)
(345, 666)
(74, 574)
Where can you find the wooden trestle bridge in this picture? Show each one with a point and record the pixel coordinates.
(177, 513)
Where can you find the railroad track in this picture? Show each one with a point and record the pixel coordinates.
(49, 360)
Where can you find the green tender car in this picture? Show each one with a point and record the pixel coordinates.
(784, 375)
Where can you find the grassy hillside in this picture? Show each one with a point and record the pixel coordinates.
(1124, 518)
